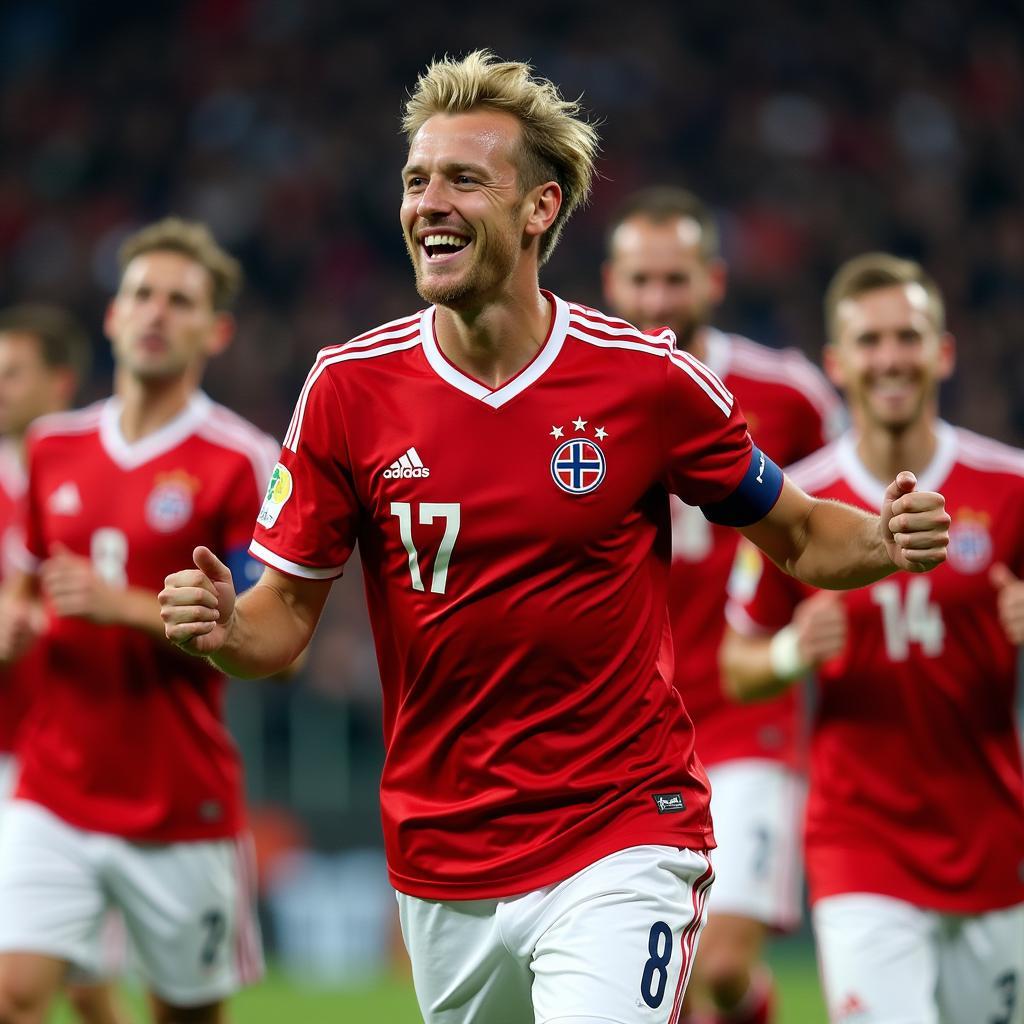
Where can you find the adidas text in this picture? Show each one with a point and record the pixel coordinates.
(406, 472)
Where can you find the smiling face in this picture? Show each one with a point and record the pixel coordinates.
(888, 356)
(162, 322)
(466, 223)
(657, 276)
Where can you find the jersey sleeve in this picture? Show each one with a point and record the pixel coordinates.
(711, 459)
(307, 524)
(241, 509)
(761, 597)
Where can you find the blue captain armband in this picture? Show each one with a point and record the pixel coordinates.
(754, 497)
(245, 570)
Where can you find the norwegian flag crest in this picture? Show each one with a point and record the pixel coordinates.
(578, 465)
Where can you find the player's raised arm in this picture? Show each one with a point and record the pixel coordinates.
(258, 634)
(837, 547)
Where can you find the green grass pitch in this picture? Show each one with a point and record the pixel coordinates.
(279, 1000)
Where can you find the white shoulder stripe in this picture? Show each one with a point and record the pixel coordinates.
(231, 431)
(713, 377)
(75, 421)
(291, 440)
(982, 452)
(663, 352)
(366, 341)
(817, 470)
(391, 325)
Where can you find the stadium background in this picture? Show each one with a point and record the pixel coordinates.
(816, 130)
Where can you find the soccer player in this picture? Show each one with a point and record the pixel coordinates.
(44, 355)
(915, 818)
(504, 459)
(664, 267)
(130, 787)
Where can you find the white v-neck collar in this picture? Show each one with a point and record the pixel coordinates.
(531, 373)
(131, 455)
(717, 351)
(872, 490)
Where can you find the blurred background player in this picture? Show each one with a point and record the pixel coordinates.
(44, 356)
(129, 782)
(915, 824)
(664, 267)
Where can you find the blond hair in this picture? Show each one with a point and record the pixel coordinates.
(875, 270)
(557, 144)
(194, 240)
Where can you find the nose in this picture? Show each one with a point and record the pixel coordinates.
(655, 300)
(434, 199)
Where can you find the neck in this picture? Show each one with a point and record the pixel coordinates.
(698, 347)
(148, 405)
(885, 452)
(494, 342)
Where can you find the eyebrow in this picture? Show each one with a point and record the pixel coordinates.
(451, 167)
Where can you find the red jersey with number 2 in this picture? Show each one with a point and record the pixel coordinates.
(916, 781)
(516, 545)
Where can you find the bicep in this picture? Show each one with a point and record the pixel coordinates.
(782, 533)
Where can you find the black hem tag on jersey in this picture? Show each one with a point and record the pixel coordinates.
(669, 803)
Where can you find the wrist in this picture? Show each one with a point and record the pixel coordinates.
(787, 662)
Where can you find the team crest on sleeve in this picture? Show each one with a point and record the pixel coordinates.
(169, 505)
(970, 542)
(578, 465)
(279, 490)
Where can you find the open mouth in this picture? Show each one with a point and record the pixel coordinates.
(439, 246)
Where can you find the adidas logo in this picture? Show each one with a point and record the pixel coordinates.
(65, 501)
(408, 466)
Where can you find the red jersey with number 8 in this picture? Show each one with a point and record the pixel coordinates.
(516, 547)
(126, 735)
(916, 781)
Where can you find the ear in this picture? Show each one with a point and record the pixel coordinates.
(833, 366)
(718, 278)
(947, 356)
(542, 208)
(108, 318)
(221, 335)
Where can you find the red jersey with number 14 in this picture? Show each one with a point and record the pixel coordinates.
(515, 545)
(916, 782)
(127, 734)
(792, 411)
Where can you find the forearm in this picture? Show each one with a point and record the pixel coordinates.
(138, 609)
(752, 669)
(267, 633)
(841, 548)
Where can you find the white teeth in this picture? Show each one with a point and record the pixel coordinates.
(445, 240)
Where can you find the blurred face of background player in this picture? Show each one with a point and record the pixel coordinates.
(656, 276)
(889, 357)
(461, 182)
(29, 387)
(162, 323)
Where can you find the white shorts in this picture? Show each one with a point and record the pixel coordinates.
(8, 774)
(188, 907)
(757, 809)
(884, 961)
(614, 943)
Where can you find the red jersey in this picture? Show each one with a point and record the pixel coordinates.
(916, 784)
(516, 546)
(792, 411)
(15, 680)
(127, 736)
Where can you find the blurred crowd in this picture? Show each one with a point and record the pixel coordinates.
(816, 131)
